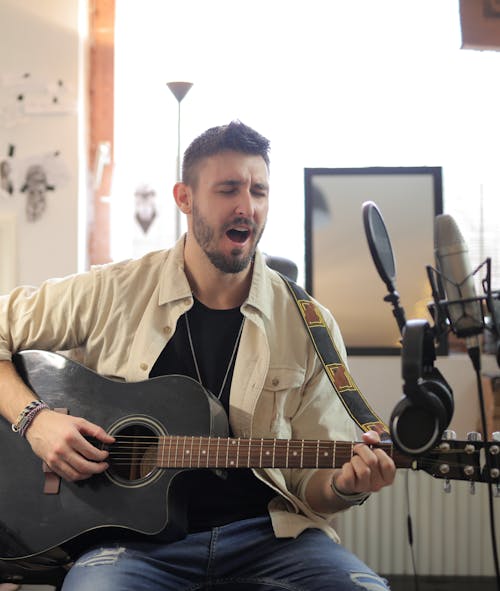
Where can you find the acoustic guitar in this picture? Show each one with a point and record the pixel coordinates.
(163, 427)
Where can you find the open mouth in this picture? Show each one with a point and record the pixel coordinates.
(238, 235)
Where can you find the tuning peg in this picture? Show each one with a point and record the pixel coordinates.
(494, 451)
(448, 435)
(472, 436)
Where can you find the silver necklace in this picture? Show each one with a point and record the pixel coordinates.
(233, 354)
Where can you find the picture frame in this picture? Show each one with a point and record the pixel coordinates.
(339, 271)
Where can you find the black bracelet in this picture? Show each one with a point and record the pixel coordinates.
(27, 415)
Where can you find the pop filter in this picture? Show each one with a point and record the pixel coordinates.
(379, 244)
(380, 247)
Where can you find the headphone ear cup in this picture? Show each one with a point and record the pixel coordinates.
(442, 400)
(419, 418)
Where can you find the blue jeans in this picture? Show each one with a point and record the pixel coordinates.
(241, 556)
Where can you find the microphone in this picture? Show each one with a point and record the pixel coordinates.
(462, 304)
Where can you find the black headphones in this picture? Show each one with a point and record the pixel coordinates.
(425, 411)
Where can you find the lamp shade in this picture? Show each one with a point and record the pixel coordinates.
(179, 89)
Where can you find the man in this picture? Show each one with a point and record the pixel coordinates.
(210, 309)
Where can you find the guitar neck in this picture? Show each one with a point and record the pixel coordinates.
(220, 452)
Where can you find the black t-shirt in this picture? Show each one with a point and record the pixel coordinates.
(213, 500)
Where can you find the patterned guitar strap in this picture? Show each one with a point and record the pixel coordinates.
(342, 382)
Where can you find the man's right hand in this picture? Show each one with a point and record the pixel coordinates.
(60, 440)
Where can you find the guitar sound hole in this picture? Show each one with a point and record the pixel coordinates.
(132, 458)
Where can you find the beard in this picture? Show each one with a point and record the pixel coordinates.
(205, 236)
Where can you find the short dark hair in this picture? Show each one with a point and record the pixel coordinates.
(236, 136)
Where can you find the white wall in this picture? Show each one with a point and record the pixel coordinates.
(42, 39)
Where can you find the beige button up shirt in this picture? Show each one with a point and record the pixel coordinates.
(120, 316)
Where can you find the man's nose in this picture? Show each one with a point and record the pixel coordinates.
(246, 204)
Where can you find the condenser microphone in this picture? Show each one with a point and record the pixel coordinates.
(452, 260)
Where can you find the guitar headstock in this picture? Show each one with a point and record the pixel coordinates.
(471, 460)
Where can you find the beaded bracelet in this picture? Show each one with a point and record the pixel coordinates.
(27, 415)
(352, 499)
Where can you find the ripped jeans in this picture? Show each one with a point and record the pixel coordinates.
(241, 556)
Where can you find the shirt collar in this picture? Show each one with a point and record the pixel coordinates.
(174, 284)
(261, 292)
(173, 281)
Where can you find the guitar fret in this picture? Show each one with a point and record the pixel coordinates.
(248, 455)
(267, 455)
(325, 457)
(203, 450)
(234, 450)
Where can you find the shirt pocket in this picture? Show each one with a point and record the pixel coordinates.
(279, 401)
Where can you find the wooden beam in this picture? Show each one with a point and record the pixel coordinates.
(101, 107)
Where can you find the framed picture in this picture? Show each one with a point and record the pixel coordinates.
(8, 252)
(339, 271)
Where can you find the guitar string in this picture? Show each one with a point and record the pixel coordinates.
(309, 450)
(307, 453)
(343, 450)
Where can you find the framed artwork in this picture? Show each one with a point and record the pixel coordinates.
(8, 252)
(339, 271)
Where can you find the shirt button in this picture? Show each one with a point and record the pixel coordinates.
(167, 329)
(144, 366)
(275, 382)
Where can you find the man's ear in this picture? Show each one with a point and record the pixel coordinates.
(183, 197)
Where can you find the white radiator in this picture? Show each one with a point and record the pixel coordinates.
(451, 532)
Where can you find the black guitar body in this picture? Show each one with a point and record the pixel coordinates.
(146, 502)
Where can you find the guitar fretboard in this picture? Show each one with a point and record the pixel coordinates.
(220, 452)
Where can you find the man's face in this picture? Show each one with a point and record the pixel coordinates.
(229, 210)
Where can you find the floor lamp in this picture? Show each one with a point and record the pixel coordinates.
(179, 90)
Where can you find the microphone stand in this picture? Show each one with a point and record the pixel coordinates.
(399, 314)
